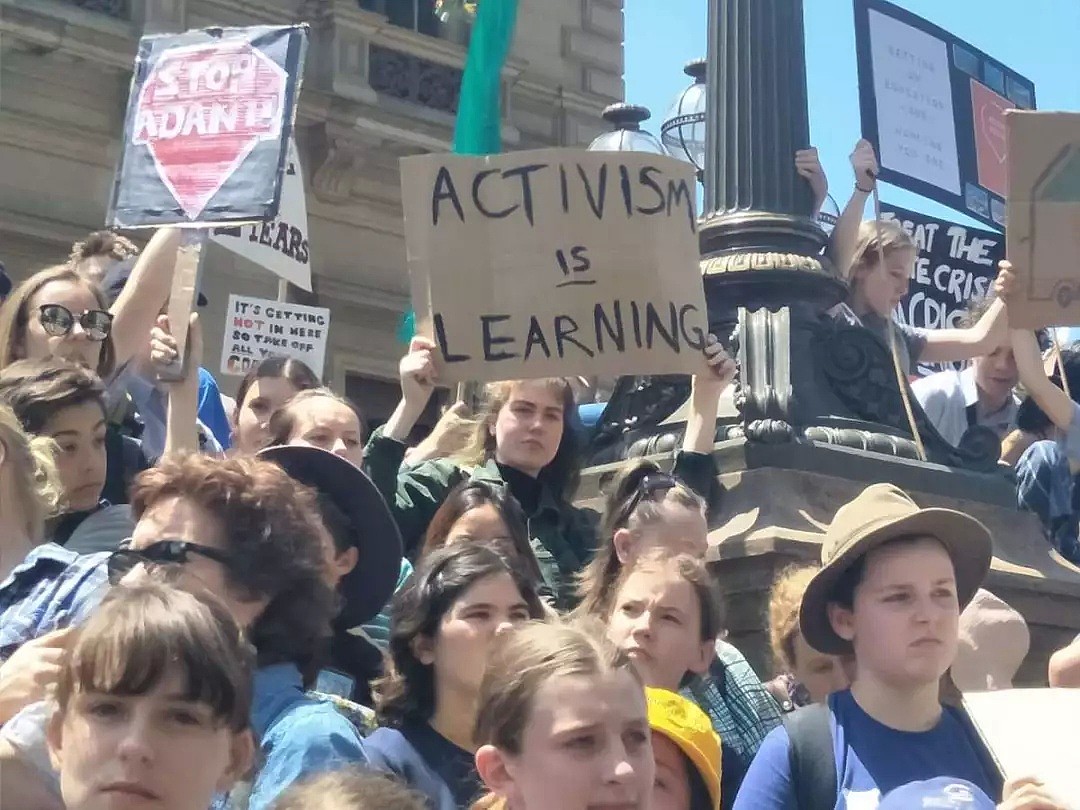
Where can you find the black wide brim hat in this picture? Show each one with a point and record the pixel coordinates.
(368, 587)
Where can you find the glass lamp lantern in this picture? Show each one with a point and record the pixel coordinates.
(627, 134)
(683, 132)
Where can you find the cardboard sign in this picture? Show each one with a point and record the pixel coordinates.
(955, 265)
(933, 106)
(1032, 732)
(555, 262)
(207, 126)
(280, 245)
(256, 328)
(1044, 218)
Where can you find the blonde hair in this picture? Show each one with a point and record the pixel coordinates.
(784, 602)
(519, 665)
(869, 247)
(634, 504)
(350, 789)
(564, 471)
(31, 465)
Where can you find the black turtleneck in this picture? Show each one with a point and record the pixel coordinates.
(523, 487)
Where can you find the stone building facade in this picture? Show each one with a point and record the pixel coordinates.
(382, 82)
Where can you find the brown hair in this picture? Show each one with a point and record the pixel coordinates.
(350, 789)
(295, 372)
(283, 420)
(869, 247)
(785, 599)
(564, 472)
(140, 632)
(273, 535)
(407, 690)
(471, 495)
(521, 663)
(102, 243)
(687, 568)
(35, 481)
(15, 316)
(37, 390)
(638, 500)
(973, 312)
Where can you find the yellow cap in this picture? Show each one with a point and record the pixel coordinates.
(682, 722)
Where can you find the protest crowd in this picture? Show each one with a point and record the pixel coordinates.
(257, 602)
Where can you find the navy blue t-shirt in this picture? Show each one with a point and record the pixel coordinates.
(871, 760)
(427, 762)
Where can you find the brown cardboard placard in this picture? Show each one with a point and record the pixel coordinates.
(1044, 218)
(1030, 733)
(555, 262)
(185, 289)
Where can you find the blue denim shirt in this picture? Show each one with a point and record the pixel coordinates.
(51, 589)
(297, 735)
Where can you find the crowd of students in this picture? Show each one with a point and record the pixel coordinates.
(256, 603)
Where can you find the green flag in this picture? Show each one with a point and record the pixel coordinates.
(478, 130)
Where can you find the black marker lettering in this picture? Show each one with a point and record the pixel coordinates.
(564, 190)
(526, 185)
(694, 337)
(679, 194)
(480, 177)
(654, 325)
(444, 190)
(644, 177)
(536, 338)
(444, 348)
(603, 324)
(635, 316)
(564, 327)
(628, 197)
(491, 341)
(596, 202)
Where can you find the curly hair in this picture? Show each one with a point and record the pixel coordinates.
(102, 243)
(274, 536)
(407, 690)
(784, 602)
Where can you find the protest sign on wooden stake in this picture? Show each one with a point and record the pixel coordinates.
(256, 328)
(555, 262)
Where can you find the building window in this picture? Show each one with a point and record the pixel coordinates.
(410, 78)
(421, 16)
(114, 8)
(376, 398)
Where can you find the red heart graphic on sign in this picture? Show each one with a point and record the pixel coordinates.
(201, 111)
(992, 121)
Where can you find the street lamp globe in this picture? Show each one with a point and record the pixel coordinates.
(627, 134)
(683, 132)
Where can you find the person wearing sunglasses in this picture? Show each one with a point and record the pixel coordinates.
(58, 313)
(243, 530)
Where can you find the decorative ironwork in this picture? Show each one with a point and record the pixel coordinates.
(113, 8)
(411, 78)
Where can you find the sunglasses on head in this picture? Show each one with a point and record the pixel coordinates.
(163, 552)
(646, 491)
(57, 321)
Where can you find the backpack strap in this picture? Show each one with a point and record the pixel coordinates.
(811, 757)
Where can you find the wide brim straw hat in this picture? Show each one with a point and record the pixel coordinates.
(880, 513)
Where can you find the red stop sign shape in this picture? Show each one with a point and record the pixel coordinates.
(200, 112)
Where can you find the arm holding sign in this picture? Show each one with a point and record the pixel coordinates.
(845, 235)
(146, 290)
(707, 388)
(808, 165)
(950, 345)
(181, 431)
(1029, 793)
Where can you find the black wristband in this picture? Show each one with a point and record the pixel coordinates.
(864, 190)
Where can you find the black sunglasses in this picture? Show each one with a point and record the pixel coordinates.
(646, 491)
(57, 321)
(163, 552)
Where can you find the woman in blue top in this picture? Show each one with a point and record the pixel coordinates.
(442, 625)
(893, 581)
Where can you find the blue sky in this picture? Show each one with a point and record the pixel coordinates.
(1037, 38)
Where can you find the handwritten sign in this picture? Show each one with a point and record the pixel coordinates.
(208, 120)
(256, 328)
(555, 262)
(1029, 733)
(933, 106)
(955, 265)
(1044, 218)
(280, 245)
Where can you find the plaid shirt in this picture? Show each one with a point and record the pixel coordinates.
(740, 707)
(51, 589)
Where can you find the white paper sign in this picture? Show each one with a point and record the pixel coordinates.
(916, 126)
(280, 245)
(256, 328)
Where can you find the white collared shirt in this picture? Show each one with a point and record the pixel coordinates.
(947, 395)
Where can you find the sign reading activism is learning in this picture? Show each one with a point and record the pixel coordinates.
(555, 262)
(280, 245)
(934, 108)
(955, 265)
(256, 328)
(207, 126)
(1044, 218)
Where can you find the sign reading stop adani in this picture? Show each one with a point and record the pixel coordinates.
(207, 127)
